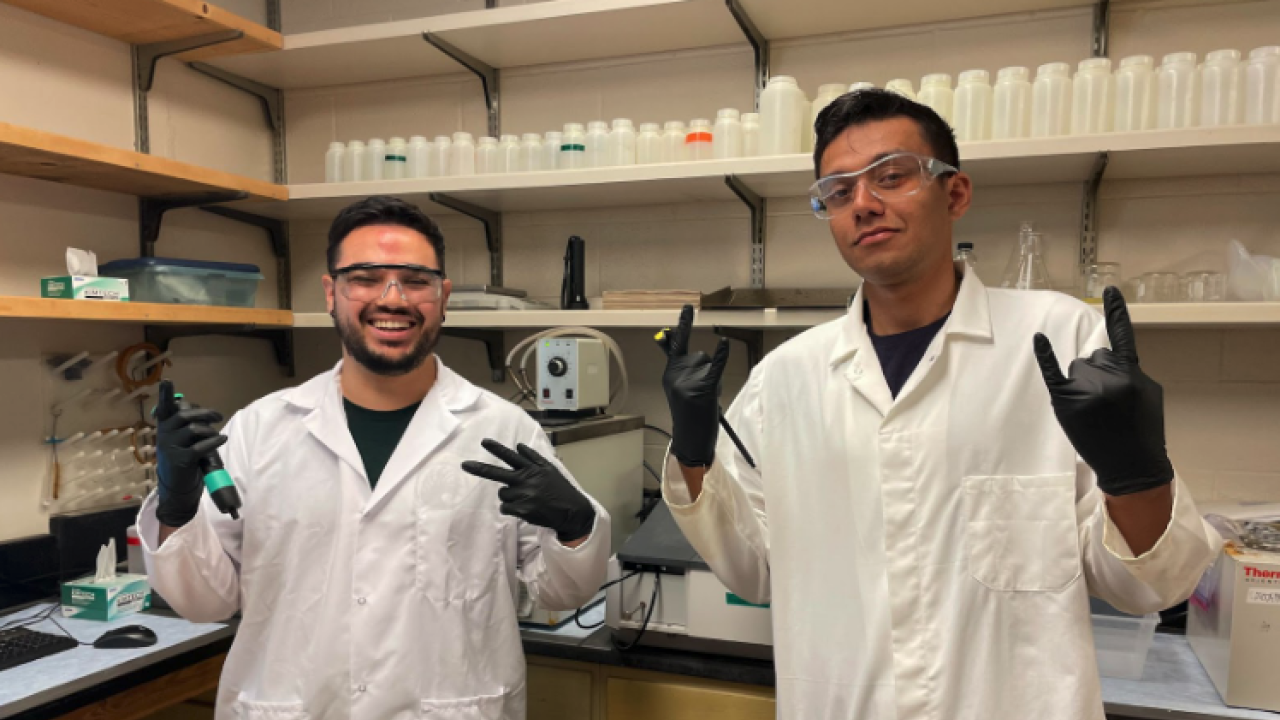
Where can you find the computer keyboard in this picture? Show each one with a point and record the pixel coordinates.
(20, 646)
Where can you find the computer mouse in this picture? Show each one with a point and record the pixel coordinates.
(129, 636)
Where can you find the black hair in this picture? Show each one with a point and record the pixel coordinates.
(870, 105)
(382, 210)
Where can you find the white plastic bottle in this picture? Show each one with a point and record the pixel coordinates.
(487, 161)
(1177, 91)
(438, 164)
(855, 87)
(1091, 97)
(750, 134)
(698, 140)
(622, 143)
(597, 144)
(1262, 86)
(673, 142)
(462, 155)
(972, 121)
(1011, 104)
(935, 92)
(396, 160)
(1135, 94)
(1051, 101)
(530, 153)
(1221, 89)
(551, 143)
(781, 117)
(573, 148)
(417, 157)
(649, 144)
(509, 153)
(353, 162)
(333, 162)
(827, 94)
(902, 86)
(726, 136)
(806, 121)
(375, 158)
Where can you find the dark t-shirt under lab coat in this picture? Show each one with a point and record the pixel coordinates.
(377, 432)
(900, 354)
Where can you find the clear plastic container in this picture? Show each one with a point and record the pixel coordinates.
(1177, 91)
(673, 136)
(375, 158)
(1262, 86)
(487, 161)
(597, 144)
(419, 157)
(649, 144)
(726, 136)
(551, 143)
(698, 140)
(531, 153)
(750, 134)
(573, 148)
(353, 161)
(186, 282)
(508, 153)
(972, 121)
(936, 92)
(1011, 106)
(1091, 97)
(462, 155)
(333, 162)
(902, 86)
(1051, 101)
(622, 143)
(782, 117)
(1121, 641)
(438, 156)
(1135, 94)
(395, 160)
(1221, 89)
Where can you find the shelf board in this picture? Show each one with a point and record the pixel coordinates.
(140, 313)
(140, 22)
(45, 156)
(1205, 315)
(779, 20)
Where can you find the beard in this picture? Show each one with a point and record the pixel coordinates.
(353, 340)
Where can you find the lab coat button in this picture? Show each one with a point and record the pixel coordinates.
(361, 601)
(360, 688)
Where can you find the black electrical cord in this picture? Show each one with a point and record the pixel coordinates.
(658, 430)
(652, 472)
(648, 613)
(611, 583)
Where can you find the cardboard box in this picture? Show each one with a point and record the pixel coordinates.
(122, 595)
(77, 287)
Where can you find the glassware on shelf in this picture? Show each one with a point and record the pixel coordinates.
(1157, 287)
(1204, 286)
(1097, 277)
(1026, 269)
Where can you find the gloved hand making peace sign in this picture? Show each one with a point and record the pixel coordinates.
(536, 491)
(1112, 412)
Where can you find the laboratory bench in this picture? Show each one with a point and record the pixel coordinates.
(574, 674)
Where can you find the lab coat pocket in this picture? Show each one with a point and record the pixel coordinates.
(246, 710)
(455, 542)
(1021, 532)
(483, 707)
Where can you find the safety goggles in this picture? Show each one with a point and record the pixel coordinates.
(370, 282)
(890, 178)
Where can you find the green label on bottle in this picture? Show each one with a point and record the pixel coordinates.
(573, 148)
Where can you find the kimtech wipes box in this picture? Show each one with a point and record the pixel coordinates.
(78, 287)
(90, 599)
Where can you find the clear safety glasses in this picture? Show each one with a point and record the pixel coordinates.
(892, 177)
(370, 282)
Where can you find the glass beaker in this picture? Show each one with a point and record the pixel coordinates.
(1096, 278)
(1204, 286)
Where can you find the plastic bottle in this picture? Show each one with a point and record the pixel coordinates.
(806, 121)
(353, 163)
(462, 155)
(698, 141)
(418, 157)
(827, 94)
(1051, 101)
(935, 92)
(1091, 97)
(855, 87)
(333, 162)
(1135, 94)
(487, 160)
(1262, 86)
(396, 160)
(972, 120)
(1011, 104)
(726, 136)
(375, 158)
(622, 143)
(965, 254)
(509, 153)
(902, 86)
(750, 134)
(551, 143)
(531, 153)
(573, 148)
(597, 144)
(1177, 91)
(673, 142)
(1026, 269)
(438, 163)
(781, 117)
(1221, 89)
(649, 144)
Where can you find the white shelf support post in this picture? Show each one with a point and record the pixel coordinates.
(492, 222)
(1089, 212)
(759, 44)
(489, 78)
(272, 109)
(145, 58)
(756, 205)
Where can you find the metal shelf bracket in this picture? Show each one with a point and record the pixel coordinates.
(759, 44)
(151, 213)
(753, 339)
(272, 101)
(1089, 211)
(281, 339)
(278, 234)
(495, 345)
(492, 222)
(1101, 27)
(756, 205)
(145, 58)
(489, 77)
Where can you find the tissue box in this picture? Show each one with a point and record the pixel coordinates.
(122, 595)
(77, 287)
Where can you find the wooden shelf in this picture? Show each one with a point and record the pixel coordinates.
(140, 313)
(45, 156)
(141, 22)
(1206, 315)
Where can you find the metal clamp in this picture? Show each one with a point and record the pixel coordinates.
(756, 205)
(759, 44)
(272, 109)
(145, 58)
(495, 345)
(1089, 211)
(492, 229)
(151, 213)
(488, 77)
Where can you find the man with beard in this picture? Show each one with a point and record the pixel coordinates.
(377, 573)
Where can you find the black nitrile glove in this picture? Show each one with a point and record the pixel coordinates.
(536, 492)
(183, 439)
(1111, 411)
(692, 385)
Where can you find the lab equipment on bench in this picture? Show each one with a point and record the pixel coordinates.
(187, 282)
(531, 389)
(573, 374)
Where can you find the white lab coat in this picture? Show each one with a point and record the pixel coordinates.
(928, 557)
(393, 604)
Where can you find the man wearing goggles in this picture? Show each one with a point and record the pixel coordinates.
(930, 499)
(379, 556)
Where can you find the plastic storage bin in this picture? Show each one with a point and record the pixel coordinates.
(1121, 641)
(187, 282)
